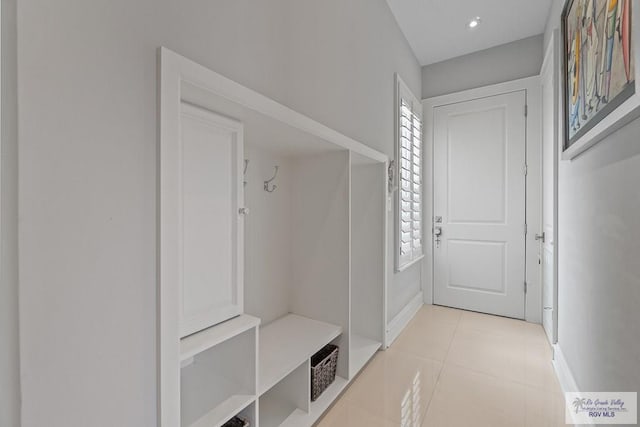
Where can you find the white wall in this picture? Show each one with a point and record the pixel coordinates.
(367, 249)
(267, 280)
(553, 22)
(599, 249)
(9, 354)
(511, 61)
(88, 135)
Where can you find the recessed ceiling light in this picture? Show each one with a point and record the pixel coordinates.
(474, 22)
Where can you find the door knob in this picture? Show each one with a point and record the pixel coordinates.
(243, 211)
(437, 232)
(540, 237)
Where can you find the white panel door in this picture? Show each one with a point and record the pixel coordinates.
(479, 204)
(210, 193)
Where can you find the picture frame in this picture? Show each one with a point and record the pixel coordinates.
(600, 70)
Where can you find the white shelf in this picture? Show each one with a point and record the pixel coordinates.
(274, 411)
(361, 351)
(287, 343)
(301, 419)
(224, 411)
(210, 337)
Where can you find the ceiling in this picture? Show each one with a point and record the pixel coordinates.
(437, 29)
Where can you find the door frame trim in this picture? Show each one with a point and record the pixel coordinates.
(552, 58)
(533, 95)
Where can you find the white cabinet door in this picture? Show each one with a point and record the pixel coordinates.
(209, 223)
(479, 205)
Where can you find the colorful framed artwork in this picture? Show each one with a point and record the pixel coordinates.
(599, 71)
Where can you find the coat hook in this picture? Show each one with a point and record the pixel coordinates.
(271, 188)
(391, 177)
(244, 172)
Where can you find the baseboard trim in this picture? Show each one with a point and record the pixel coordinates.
(402, 319)
(564, 374)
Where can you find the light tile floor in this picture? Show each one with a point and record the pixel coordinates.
(454, 368)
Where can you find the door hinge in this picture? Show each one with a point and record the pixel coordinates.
(526, 169)
(526, 110)
(525, 229)
(525, 288)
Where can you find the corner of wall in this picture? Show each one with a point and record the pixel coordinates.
(9, 315)
(553, 20)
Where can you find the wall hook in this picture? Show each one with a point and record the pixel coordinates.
(244, 172)
(267, 184)
(392, 177)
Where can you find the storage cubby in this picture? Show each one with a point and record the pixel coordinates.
(218, 375)
(299, 416)
(285, 398)
(250, 413)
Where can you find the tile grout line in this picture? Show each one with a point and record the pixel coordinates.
(444, 361)
(453, 336)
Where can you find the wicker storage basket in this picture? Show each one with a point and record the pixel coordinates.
(236, 422)
(323, 369)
